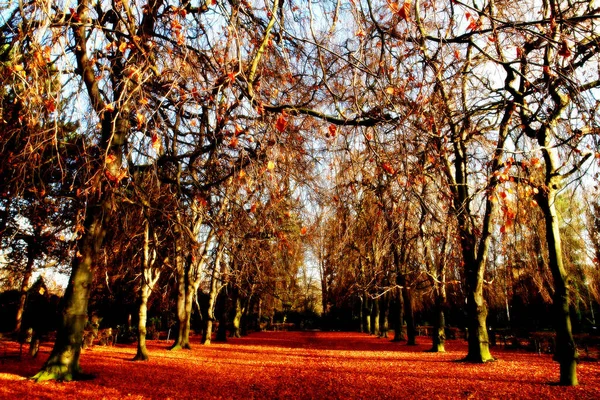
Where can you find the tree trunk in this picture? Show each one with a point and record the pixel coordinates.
(63, 362)
(384, 310)
(24, 288)
(367, 313)
(142, 351)
(184, 310)
(375, 317)
(223, 318)
(237, 317)
(398, 317)
(411, 331)
(212, 296)
(566, 351)
(439, 326)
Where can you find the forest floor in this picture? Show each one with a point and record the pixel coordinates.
(299, 365)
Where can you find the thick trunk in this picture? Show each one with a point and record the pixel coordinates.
(566, 351)
(411, 331)
(142, 351)
(384, 310)
(375, 317)
(439, 326)
(184, 310)
(366, 313)
(476, 307)
(63, 363)
(398, 317)
(478, 343)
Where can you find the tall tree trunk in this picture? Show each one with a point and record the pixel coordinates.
(398, 317)
(63, 362)
(384, 310)
(478, 341)
(411, 331)
(439, 326)
(375, 317)
(237, 317)
(366, 312)
(142, 351)
(184, 309)
(149, 278)
(212, 296)
(566, 351)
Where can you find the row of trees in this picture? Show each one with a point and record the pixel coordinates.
(166, 141)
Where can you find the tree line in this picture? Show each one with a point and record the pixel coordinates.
(438, 147)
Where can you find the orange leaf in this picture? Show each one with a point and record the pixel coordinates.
(387, 168)
(281, 123)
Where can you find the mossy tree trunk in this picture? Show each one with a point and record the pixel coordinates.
(566, 351)
(63, 362)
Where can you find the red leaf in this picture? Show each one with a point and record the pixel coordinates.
(281, 123)
(332, 130)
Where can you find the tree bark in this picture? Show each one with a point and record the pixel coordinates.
(142, 351)
(566, 351)
(384, 310)
(212, 296)
(237, 317)
(366, 313)
(63, 362)
(439, 326)
(411, 331)
(398, 317)
(375, 317)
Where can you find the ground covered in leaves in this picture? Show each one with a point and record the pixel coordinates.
(303, 365)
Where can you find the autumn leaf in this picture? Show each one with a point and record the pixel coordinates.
(303, 230)
(110, 158)
(388, 168)
(233, 142)
(271, 165)
(140, 118)
(332, 130)
(281, 123)
(403, 12)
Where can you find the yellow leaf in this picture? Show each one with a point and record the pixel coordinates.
(271, 165)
